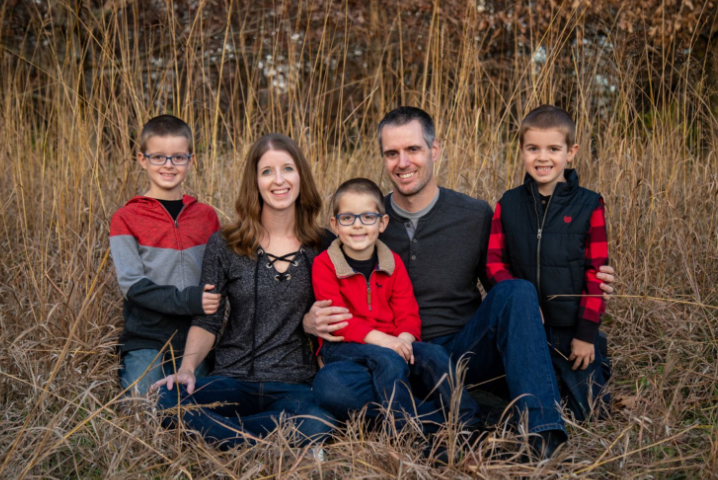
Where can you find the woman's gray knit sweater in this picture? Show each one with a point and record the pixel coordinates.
(268, 347)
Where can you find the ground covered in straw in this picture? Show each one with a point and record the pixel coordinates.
(78, 78)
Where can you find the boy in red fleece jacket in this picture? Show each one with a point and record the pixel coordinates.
(361, 273)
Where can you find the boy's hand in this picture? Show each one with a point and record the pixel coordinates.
(605, 273)
(583, 353)
(400, 346)
(407, 337)
(210, 301)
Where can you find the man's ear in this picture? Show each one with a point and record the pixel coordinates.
(383, 223)
(435, 150)
(572, 152)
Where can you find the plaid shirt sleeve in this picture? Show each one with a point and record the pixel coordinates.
(497, 266)
(592, 307)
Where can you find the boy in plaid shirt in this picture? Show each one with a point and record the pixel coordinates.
(552, 232)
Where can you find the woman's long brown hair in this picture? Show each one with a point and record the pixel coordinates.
(242, 236)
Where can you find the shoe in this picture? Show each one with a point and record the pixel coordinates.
(543, 445)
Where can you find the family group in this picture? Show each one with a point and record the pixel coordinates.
(237, 320)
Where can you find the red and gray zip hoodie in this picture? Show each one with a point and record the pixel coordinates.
(384, 302)
(158, 262)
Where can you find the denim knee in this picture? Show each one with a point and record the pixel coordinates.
(518, 288)
(315, 423)
(334, 389)
(168, 398)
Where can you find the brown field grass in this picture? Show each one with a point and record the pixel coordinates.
(73, 98)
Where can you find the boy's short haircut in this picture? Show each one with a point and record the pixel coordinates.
(165, 126)
(403, 115)
(362, 186)
(549, 117)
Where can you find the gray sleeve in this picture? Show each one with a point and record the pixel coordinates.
(128, 264)
(216, 255)
(484, 234)
(140, 290)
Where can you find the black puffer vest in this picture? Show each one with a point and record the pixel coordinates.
(555, 231)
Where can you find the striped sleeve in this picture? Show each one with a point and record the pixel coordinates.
(497, 266)
(592, 304)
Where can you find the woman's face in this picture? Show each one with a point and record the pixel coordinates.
(278, 180)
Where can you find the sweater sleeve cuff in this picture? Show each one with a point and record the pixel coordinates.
(357, 333)
(415, 332)
(586, 331)
(195, 300)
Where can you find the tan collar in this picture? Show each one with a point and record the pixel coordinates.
(384, 255)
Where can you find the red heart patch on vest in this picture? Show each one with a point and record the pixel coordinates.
(567, 219)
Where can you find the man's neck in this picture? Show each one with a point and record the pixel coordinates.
(418, 201)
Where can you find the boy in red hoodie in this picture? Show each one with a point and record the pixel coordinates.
(361, 273)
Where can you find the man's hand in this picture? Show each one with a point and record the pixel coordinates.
(323, 319)
(605, 273)
(210, 301)
(183, 377)
(400, 346)
(583, 353)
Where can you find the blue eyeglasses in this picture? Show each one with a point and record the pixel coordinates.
(348, 219)
(176, 160)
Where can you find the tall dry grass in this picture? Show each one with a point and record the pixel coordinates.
(80, 80)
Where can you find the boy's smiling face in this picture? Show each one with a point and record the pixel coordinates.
(358, 239)
(545, 155)
(165, 180)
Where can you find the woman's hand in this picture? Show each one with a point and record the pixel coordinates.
(183, 377)
(605, 273)
(323, 319)
(583, 353)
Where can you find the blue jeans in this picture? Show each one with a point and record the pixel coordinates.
(136, 362)
(583, 390)
(392, 377)
(252, 410)
(505, 336)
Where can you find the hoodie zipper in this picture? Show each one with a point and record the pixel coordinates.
(538, 237)
(368, 289)
(175, 221)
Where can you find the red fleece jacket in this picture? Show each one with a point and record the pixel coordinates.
(385, 303)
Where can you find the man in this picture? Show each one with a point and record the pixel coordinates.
(442, 237)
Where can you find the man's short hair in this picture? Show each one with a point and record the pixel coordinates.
(165, 126)
(549, 117)
(403, 115)
(362, 186)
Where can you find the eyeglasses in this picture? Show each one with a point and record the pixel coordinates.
(348, 219)
(176, 160)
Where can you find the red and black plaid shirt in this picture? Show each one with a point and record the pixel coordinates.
(591, 307)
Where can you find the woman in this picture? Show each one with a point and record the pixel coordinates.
(261, 264)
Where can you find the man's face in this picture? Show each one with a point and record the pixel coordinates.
(408, 160)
